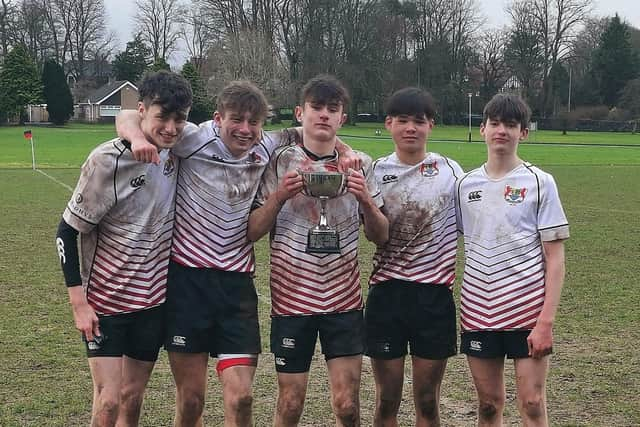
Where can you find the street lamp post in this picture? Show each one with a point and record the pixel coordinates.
(470, 95)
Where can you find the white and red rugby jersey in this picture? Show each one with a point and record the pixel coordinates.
(308, 284)
(504, 222)
(214, 198)
(419, 203)
(124, 210)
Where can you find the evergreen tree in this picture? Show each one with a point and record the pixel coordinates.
(133, 61)
(56, 93)
(202, 107)
(159, 64)
(20, 82)
(614, 61)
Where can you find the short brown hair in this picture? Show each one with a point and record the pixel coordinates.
(325, 89)
(507, 107)
(242, 96)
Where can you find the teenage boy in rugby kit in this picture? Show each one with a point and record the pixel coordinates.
(316, 293)
(212, 303)
(124, 213)
(514, 228)
(410, 299)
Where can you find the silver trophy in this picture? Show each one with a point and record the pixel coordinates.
(323, 185)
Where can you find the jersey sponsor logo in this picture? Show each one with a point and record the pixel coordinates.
(514, 195)
(79, 198)
(169, 166)
(137, 182)
(60, 247)
(429, 169)
(179, 340)
(217, 158)
(289, 342)
(387, 179)
(475, 345)
(474, 196)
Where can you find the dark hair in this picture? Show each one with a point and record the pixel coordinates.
(242, 96)
(411, 101)
(170, 91)
(507, 107)
(325, 90)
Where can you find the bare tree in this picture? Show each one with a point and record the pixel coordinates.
(197, 35)
(491, 61)
(556, 23)
(158, 22)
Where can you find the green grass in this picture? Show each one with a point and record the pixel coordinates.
(594, 378)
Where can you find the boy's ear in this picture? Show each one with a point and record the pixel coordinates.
(141, 108)
(387, 122)
(298, 113)
(524, 133)
(217, 117)
(343, 120)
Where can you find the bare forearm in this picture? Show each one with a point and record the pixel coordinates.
(554, 280)
(262, 219)
(128, 125)
(376, 224)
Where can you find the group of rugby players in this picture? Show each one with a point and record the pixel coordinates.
(168, 212)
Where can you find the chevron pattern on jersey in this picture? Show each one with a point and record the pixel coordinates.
(503, 285)
(426, 255)
(129, 270)
(211, 221)
(304, 283)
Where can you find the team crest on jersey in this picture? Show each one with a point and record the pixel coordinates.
(429, 169)
(169, 165)
(254, 157)
(514, 195)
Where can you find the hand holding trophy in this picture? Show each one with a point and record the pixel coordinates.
(323, 185)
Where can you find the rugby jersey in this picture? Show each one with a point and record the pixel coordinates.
(313, 283)
(419, 203)
(504, 222)
(214, 197)
(124, 210)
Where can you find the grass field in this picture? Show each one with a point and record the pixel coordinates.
(595, 374)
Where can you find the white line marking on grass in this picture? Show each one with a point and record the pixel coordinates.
(55, 180)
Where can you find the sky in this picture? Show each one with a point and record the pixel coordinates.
(120, 18)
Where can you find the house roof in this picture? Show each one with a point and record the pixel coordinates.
(104, 92)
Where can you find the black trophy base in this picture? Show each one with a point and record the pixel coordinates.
(323, 241)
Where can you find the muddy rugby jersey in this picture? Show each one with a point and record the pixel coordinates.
(419, 203)
(313, 283)
(504, 222)
(124, 210)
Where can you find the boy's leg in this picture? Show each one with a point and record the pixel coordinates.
(135, 376)
(427, 377)
(488, 378)
(237, 394)
(344, 379)
(106, 373)
(190, 374)
(292, 389)
(531, 377)
(389, 377)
